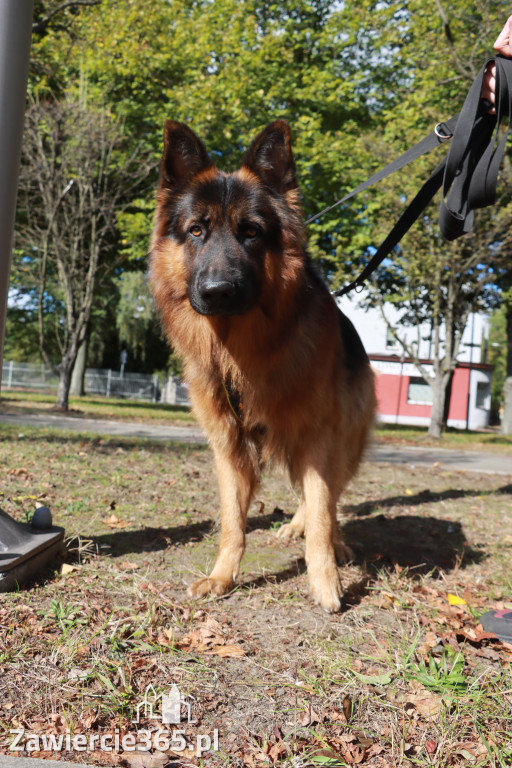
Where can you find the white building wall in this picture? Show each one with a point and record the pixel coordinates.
(479, 399)
(373, 330)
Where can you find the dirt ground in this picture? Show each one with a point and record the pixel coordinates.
(403, 675)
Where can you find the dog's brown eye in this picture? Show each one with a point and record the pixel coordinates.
(196, 230)
(251, 232)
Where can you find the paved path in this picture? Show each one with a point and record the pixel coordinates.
(468, 461)
(14, 761)
(465, 461)
(106, 427)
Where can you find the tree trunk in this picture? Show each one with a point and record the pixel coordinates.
(77, 377)
(506, 426)
(62, 402)
(435, 429)
(447, 400)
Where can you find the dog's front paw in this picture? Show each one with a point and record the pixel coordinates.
(211, 586)
(325, 587)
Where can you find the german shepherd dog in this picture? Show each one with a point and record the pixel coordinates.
(275, 370)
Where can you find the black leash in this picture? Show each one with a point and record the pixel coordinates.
(468, 174)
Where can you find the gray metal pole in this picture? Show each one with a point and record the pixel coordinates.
(15, 36)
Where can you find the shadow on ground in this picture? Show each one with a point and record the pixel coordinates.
(417, 544)
(423, 497)
(152, 539)
(423, 544)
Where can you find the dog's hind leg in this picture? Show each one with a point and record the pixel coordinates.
(238, 474)
(295, 528)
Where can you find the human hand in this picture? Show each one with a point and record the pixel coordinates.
(489, 86)
(503, 45)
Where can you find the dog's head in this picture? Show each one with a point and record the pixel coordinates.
(224, 226)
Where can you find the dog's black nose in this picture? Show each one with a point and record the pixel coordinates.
(216, 292)
(219, 295)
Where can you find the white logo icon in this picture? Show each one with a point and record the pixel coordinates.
(171, 704)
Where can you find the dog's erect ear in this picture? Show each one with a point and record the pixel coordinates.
(270, 157)
(184, 155)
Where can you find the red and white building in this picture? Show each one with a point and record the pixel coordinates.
(402, 394)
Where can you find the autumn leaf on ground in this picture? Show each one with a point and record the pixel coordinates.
(347, 708)
(145, 759)
(374, 750)
(115, 522)
(430, 746)
(426, 703)
(353, 753)
(67, 568)
(231, 651)
(277, 750)
(454, 600)
(206, 637)
(310, 716)
(474, 635)
(166, 637)
(304, 687)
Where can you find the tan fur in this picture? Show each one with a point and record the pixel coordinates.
(287, 359)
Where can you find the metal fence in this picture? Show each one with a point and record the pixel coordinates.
(174, 392)
(135, 386)
(28, 376)
(103, 382)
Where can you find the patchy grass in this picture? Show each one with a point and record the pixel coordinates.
(403, 676)
(490, 439)
(96, 407)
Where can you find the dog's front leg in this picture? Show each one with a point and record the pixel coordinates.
(323, 541)
(237, 476)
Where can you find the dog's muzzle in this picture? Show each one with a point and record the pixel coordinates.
(215, 296)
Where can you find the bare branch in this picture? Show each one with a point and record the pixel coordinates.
(408, 349)
(76, 175)
(40, 26)
(457, 60)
